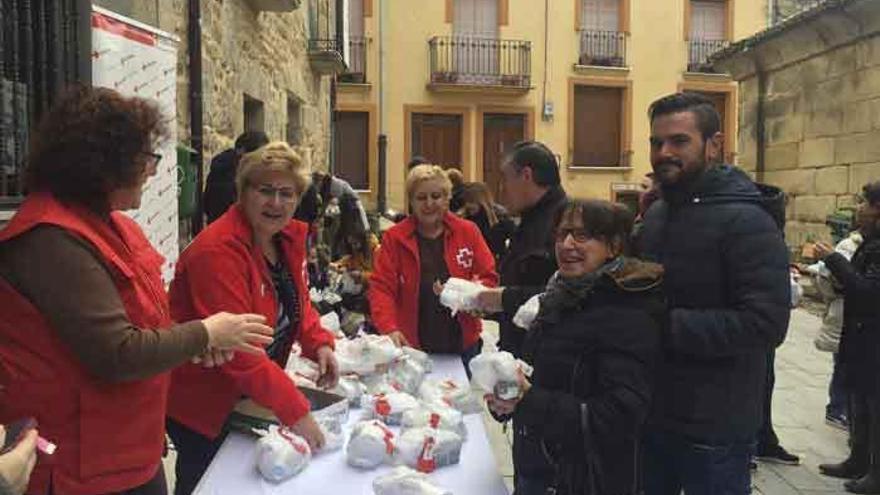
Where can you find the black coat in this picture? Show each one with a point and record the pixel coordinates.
(529, 263)
(591, 387)
(496, 236)
(220, 185)
(860, 339)
(727, 286)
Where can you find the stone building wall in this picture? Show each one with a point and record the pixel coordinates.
(821, 112)
(261, 54)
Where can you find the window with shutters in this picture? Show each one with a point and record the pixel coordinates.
(602, 40)
(598, 126)
(438, 138)
(707, 32)
(352, 148)
(357, 45)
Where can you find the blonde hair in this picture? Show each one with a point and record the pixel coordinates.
(276, 156)
(424, 173)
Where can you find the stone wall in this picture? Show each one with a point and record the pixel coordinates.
(821, 114)
(261, 54)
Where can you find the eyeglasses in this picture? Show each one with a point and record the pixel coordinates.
(577, 234)
(284, 195)
(156, 157)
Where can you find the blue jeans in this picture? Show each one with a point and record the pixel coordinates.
(673, 463)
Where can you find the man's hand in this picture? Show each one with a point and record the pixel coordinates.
(489, 301)
(822, 250)
(328, 368)
(17, 464)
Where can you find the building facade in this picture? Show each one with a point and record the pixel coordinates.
(810, 109)
(460, 81)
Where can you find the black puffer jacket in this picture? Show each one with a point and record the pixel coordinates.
(220, 185)
(591, 387)
(727, 286)
(860, 340)
(529, 263)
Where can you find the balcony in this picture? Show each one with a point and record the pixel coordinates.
(357, 62)
(325, 38)
(325, 55)
(699, 52)
(469, 63)
(602, 48)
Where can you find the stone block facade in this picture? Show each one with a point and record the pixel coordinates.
(246, 54)
(821, 110)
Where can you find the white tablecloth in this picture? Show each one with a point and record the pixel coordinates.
(233, 470)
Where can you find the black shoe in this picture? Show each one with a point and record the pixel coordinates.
(848, 469)
(777, 455)
(868, 484)
(839, 421)
(753, 466)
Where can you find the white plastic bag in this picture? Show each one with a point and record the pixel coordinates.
(435, 416)
(460, 295)
(450, 393)
(303, 371)
(334, 437)
(405, 481)
(389, 408)
(371, 443)
(527, 313)
(331, 322)
(420, 357)
(406, 374)
(351, 388)
(366, 355)
(498, 373)
(282, 454)
(427, 449)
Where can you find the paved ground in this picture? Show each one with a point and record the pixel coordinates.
(802, 375)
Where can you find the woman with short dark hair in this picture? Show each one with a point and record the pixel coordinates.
(593, 345)
(88, 339)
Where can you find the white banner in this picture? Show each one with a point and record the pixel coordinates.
(139, 60)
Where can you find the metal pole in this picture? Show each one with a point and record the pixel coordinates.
(382, 199)
(194, 46)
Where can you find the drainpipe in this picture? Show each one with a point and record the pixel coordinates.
(194, 49)
(761, 126)
(382, 187)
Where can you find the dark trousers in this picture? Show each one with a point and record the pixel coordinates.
(673, 463)
(766, 435)
(470, 353)
(864, 430)
(837, 396)
(194, 454)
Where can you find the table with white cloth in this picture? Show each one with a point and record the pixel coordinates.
(233, 470)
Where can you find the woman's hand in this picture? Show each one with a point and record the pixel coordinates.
(328, 368)
(308, 428)
(213, 358)
(244, 332)
(17, 464)
(399, 339)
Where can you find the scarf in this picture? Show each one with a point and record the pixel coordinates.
(567, 293)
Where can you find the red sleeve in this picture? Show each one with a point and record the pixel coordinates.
(484, 261)
(383, 289)
(218, 281)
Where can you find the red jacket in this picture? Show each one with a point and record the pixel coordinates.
(394, 284)
(110, 436)
(222, 270)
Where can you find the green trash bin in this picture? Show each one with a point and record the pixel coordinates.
(186, 182)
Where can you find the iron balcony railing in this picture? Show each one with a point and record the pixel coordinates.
(699, 51)
(470, 60)
(603, 48)
(357, 61)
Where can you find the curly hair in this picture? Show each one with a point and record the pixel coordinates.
(90, 143)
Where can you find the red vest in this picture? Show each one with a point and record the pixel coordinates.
(110, 436)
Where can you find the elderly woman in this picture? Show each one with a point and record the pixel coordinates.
(859, 352)
(251, 259)
(592, 345)
(428, 247)
(88, 340)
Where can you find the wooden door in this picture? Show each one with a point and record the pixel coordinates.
(500, 132)
(707, 20)
(438, 138)
(475, 58)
